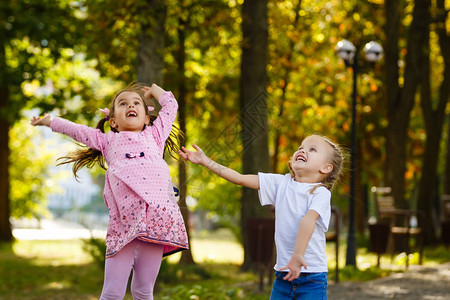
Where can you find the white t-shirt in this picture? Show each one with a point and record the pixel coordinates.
(292, 200)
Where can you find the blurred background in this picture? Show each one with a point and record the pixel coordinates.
(252, 78)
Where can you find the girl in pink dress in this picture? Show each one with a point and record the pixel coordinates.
(145, 222)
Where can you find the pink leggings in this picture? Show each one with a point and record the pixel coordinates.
(145, 260)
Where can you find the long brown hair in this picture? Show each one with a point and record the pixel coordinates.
(88, 157)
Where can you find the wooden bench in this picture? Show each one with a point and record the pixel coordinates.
(399, 221)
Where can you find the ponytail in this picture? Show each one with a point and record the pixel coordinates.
(85, 156)
(173, 142)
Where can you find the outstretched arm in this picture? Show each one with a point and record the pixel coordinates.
(199, 157)
(91, 137)
(305, 230)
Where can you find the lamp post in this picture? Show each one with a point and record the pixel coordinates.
(348, 52)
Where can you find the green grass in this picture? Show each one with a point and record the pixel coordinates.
(47, 270)
(219, 246)
(63, 270)
(214, 281)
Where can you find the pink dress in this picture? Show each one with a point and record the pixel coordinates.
(138, 189)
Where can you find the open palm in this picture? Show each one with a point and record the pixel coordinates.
(45, 120)
(196, 157)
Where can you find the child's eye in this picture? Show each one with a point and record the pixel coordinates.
(122, 103)
(313, 149)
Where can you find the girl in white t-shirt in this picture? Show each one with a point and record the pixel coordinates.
(302, 213)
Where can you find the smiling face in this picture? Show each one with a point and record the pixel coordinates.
(311, 162)
(129, 112)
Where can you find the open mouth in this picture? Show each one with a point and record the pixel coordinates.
(300, 158)
(132, 114)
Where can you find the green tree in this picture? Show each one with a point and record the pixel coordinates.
(30, 181)
(27, 29)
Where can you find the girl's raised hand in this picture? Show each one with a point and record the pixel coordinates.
(198, 157)
(152, 91)
(45, 120)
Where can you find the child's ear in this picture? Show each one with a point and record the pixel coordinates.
(326, 169)
(112, 123)
(147, 119)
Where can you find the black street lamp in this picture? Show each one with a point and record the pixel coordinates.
(348, 52)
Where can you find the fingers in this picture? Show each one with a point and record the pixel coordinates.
(147, 91)
(197, 148)
(45, 120)
(291, 275)
(183, 152)
(35, 120)
(288, 277)
(186, 154)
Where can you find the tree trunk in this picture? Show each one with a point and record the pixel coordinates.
(394, 176)
(5, 225)
(401, 100)
(446, 180)
(434, 121)
(186, 256)
(253, 103)
(444, 44)
(150, 58)
(429, 180)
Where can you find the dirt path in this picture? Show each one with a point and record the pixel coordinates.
(419, 282)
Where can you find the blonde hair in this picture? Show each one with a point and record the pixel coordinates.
(336, 160)
(88, 157)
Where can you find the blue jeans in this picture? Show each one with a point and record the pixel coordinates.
(312, 286)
